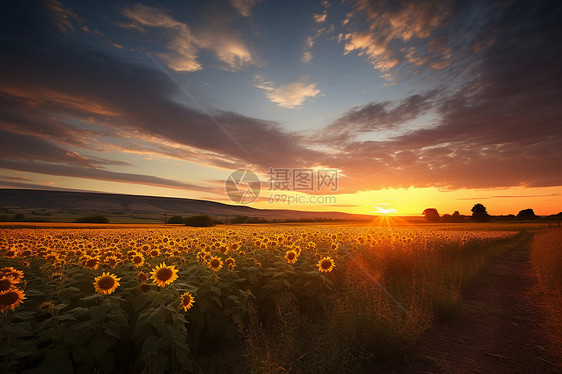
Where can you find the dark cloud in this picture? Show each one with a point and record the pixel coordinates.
(27, 147)
(98, 174)
(502, 128)
(499, 122)
(375, 117)
(62, 78)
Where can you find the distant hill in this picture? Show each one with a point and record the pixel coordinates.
(82, 203)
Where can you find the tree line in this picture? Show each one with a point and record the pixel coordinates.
(480, 214)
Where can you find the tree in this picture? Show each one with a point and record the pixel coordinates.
(526, 214)
(175, 220)
(479, 213)
(431, 215)
(97, 218)
(199, 221)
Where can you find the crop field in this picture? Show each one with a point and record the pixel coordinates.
(256, 298)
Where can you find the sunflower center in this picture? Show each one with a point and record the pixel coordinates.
(92, 262)
(137, 259)
(106, 283)
(326, 264)
(5, 284)
(291, 255)
(9, 298)
(215, 263)
(164, 274)
(186, 300)
(145, 287)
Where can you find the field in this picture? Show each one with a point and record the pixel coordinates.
(254, 298)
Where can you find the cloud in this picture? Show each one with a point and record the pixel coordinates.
(244, 7)
(320, 18)
(27, 147)
(62, 16)
(408, 30)
(290, 95)
(185, 45)
(90, 99)
(498, 125)
(377, 116)
(97, 174)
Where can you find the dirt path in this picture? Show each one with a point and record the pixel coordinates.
(499, 329)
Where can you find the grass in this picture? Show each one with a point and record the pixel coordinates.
(546, 256)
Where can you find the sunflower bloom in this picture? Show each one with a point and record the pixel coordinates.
(291, 256)
(10, 299)
(138, 260)
(11, 272)
(186, 301)
(106, 283)
(163, 275)
(215, 263)
(92, 263)
(231, 263)
(326, 265)
(7, 283)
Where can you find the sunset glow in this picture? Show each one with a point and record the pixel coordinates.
(439, 104)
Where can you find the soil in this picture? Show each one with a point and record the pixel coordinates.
(500, 329)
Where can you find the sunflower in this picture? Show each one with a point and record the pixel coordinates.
(291, 256)
(142, 276)
(326, 265)
(154, 253)
(106, 283)
(215, 263)
(46, 306)
(138, 260)
(231, 263)
(7, 283)
(186, 301)
(11, 299)
(163, 275)
(145, 287)
(112, 261)
(91, 263)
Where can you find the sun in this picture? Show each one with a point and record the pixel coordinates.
(379, 210)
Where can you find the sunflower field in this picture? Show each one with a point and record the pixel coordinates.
(255, 298)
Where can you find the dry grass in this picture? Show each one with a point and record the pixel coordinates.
(546, 256)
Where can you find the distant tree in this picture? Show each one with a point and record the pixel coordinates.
(199, 221)
(19, 217)
(456, 217)
(97, 218)
(446, 218)
(431, 215)
(452, 218)
(479, 213)
(175, 220)
(527, 214)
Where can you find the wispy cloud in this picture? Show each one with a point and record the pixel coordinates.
(244, 7)
(319, 18)
(290, 95)
(185, 44)
(394, 31)
(63, 17)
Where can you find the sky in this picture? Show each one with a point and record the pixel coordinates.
(406, 104)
